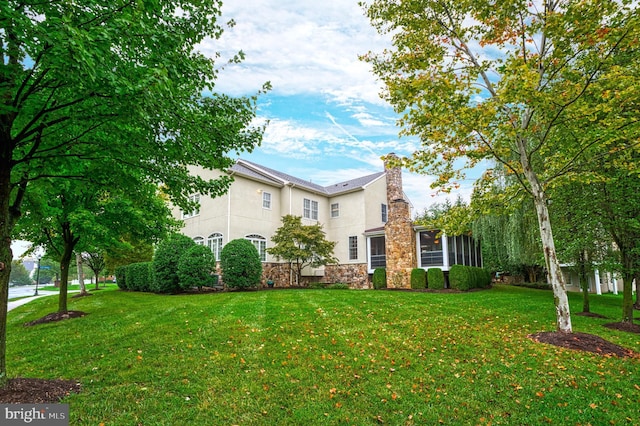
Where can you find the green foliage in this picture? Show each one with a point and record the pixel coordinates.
(379, 278)
(418, 278)
(19, 274)
(139, 276)
(196, 267)
(301, 245)
(121, 274)
(465, 278)
(165, 263)
(435, 278)
(241, 265)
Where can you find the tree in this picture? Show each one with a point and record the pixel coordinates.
(538, 87)
(301, 245)
(19, 274)
(241, 265)
(114, 83)
(96, 262)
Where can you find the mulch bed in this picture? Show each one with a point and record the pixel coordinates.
(624, 326)
(37, 391)
(56, 316)
(583, 342)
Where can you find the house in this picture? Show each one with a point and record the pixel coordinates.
(368, 217)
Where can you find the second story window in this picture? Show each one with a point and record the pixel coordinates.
(266, 200)
(335, 210)
(195, 212)
(383, 210)
(310, 209)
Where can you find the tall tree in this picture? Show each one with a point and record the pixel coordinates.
(118, 83)
(301, 245)
(513, 81)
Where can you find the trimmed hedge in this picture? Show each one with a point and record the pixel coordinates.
(196, 267)
(140, 276)
(379, 278)
(165, 263)
(467, 277)
(121, 280)
(435, 278)
(418, 278)
(241, 264)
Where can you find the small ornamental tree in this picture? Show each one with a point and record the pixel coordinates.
(165, 263)
(196, 267)
(301, 245)
(241, 264)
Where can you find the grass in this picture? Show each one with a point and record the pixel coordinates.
(293, 357)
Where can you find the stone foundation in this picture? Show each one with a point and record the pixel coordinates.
(354, 275)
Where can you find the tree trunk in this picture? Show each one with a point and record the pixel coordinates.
(584, 283)
(554, 272)
(6, 255)
(83, 289)
(69, 244)
(627, 285)
(637, 281)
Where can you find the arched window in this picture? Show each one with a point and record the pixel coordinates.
(260, 243)
(214, 242)
(199, 240)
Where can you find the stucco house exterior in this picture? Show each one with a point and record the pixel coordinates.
(368, 217)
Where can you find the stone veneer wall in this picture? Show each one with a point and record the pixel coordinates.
(400, 238)
(356, 275)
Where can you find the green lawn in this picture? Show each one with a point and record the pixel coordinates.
(303, 357)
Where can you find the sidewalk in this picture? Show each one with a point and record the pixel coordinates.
(15, 303)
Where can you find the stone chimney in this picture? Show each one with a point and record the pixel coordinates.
(400, 238)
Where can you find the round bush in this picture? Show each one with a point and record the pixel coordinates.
(120, 273)
(241, 265)
(196, 267)
(165, 263)
(379, 278)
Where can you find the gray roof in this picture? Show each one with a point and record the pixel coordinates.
(276, 178)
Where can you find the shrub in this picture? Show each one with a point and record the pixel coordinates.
(139, 276)
(435, 278)
(418, 278)
(120, 277)
(241, 265)
(379, 278)
(460, 277)
(165, 263)
(196, 267)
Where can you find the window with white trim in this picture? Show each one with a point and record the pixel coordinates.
(260, 243)
(310, 209)
(266, 200)
(199, 241)
(383, 211)
(335, 210)
(196, 211)
(214, 242)
(353, 248)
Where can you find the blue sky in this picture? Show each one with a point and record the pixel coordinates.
(327, 122)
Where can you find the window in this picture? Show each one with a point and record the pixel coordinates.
(353, 248)
(378, 253)
(430, 249)
(199, 241)
(266, 200)
(335, 210)
(260, 243)
(196, 211)
(310, 209)
(214, 242)
(383, 210)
